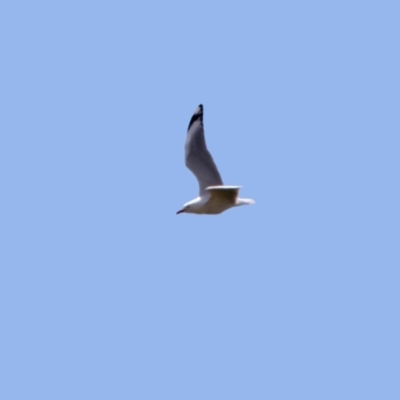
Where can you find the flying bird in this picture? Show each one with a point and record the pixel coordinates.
(214, 197)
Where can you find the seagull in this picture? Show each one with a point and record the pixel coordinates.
(214, 196)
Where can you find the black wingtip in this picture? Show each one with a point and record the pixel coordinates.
(198, 115)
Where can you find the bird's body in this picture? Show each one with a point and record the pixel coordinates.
(214, 197)
(217, 199)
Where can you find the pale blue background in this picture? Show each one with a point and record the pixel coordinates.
(105, 293)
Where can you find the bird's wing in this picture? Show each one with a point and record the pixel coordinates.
(197, 158)
(224, 194)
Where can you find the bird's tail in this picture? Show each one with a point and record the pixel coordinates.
(243, 202)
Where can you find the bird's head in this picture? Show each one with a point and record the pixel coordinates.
(191, 207)
(187, 208)
(183, 210)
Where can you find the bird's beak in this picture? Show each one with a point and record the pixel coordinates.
(180, 211)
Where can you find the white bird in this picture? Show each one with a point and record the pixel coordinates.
(214, 197)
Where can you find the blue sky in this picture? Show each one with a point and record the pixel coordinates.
(106, 293)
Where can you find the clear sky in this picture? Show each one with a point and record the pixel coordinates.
(106, 293)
